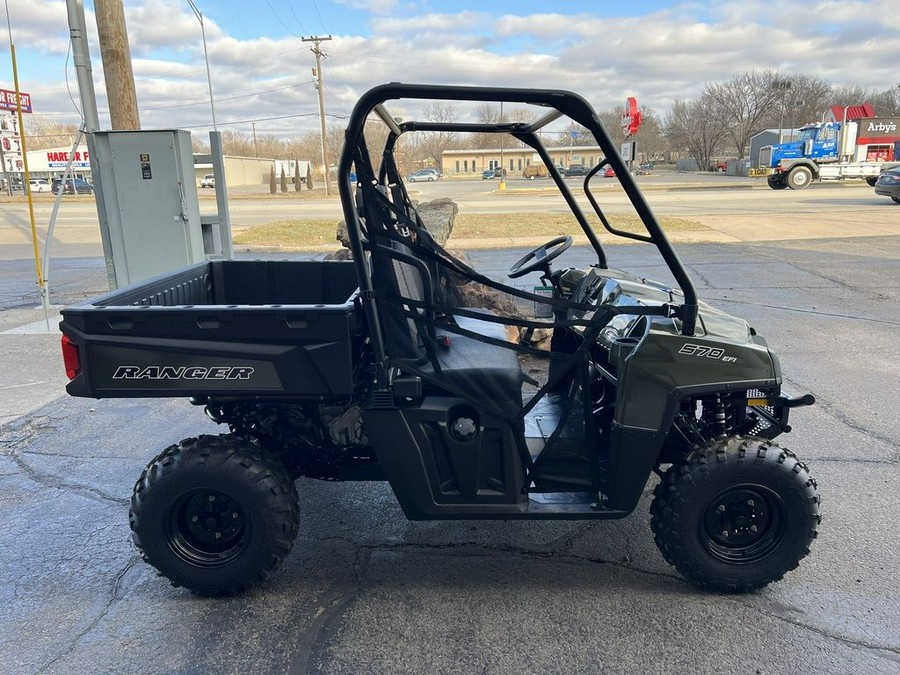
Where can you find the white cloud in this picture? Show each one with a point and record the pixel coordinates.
(666, 54)
(373, 6)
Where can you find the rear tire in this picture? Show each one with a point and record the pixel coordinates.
(214, 515)
(896, 199)
(871, 180)
(736, 515)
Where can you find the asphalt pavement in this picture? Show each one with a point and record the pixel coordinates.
(366, 591)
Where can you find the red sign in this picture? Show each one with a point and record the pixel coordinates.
(57, 159)
(631, 119)
(8, 100)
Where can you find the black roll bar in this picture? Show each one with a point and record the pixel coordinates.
(558, 101)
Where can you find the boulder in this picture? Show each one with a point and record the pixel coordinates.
(438, 217)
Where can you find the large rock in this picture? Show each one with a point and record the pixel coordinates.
(438, 217)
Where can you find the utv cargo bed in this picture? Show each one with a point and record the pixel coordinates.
(235, 327)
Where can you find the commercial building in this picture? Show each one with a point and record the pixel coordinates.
(51, 163)
(514, 160)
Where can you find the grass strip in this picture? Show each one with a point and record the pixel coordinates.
(318, 232)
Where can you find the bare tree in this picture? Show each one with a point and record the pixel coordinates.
(887, 102)
(803, 101)
(237, 144)
(434, 143)
(652, 143)
(42, 133)
(486, 113)
(690, 127)
(741, 104)
(198, 145)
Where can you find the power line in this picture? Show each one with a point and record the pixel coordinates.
(278, 18)
(229, 98)
(340, 116)
(299, 23)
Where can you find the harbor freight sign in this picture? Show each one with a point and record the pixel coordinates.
(8, 101)
(57, 159)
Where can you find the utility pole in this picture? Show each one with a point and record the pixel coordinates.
(255, 144)
(117, 71)
(317, 40)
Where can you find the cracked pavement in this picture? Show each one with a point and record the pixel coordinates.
(366, 591)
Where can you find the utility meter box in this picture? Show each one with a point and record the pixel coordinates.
(147, 192)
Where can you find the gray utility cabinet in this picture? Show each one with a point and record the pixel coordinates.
(148, 195)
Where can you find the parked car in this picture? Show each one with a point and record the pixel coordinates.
(73, 186)
(490, 174)
(575, 170)
(425, 175)
(609, 172)
(208, 181)
(39, 185)
(888, 184)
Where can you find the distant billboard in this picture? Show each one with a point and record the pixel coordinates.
(8, 101)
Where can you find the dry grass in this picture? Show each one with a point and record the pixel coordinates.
(319, 232)
(289, 233)
(551, 225)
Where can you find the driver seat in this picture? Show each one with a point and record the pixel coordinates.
(446, 360)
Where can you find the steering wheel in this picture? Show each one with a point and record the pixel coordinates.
(542, 256)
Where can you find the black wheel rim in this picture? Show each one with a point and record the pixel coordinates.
(207, 528)
(743, 524)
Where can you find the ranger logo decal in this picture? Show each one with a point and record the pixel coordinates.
(183, 373)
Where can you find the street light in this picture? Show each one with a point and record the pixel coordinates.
(199, 16)
(782, 85)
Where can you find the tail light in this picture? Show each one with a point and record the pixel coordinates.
(71, 357)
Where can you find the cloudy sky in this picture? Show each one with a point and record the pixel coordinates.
(606, 51)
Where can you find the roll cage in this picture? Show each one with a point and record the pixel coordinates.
(356, 158)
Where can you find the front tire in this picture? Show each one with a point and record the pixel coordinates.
(735, 516)
(776, 182)
(896, 199)
(214, 515)
(799, 177)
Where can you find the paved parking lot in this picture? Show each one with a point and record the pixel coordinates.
(366, 591)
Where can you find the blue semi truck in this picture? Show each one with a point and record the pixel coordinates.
(833, 151)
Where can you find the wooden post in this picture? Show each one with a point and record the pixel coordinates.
(117, 71)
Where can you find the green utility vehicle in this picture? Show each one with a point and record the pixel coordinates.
(391, 367)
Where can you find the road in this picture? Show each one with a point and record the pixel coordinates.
(366, 591)
(694, 197)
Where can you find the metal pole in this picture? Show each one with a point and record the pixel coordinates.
(26, 182)
(5, 171)
(218, 161)
(212, 105)
(316, 40)
(255, 144)
(502, 185)
(81, 57)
